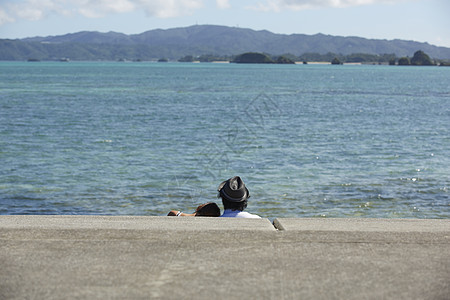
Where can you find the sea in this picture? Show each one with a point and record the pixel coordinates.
(144, 138)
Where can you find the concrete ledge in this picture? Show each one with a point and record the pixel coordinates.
(362, 225)
(98, 257)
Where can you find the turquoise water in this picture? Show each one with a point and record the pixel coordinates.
(146, 138)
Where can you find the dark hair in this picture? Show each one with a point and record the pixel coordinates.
(209, 209)
(234, 205)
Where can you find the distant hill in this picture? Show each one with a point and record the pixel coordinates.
(200, 40)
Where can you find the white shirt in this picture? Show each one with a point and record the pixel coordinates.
(238, 214)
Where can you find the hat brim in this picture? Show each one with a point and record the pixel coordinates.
(227, 197)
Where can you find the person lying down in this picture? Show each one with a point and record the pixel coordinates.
(209, 209)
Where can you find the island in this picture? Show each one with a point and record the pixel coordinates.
(420, 58)
(261, 58)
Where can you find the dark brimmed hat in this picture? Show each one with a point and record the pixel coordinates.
(233, 190)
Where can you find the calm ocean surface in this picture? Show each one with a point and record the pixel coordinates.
(144, 138)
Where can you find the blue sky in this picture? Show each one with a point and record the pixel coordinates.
(418, 20)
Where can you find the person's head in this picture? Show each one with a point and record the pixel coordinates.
(234, 194)
(209, 209)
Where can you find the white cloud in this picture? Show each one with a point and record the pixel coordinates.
(223, 4)
(278, 5)
(11, 10)
(5, 17)
(98, 8)
(168, 8)
(30, 10)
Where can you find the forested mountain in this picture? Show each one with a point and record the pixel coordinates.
(200, 40)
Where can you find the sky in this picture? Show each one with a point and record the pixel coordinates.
(418, 20)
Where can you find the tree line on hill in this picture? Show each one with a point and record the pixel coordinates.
(420, 58)
(248, 57)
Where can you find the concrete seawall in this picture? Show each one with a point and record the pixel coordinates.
(100, 257)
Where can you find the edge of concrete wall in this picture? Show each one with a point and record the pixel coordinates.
(362, 225)
(133, 223)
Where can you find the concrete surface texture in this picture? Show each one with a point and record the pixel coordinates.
(95, 257)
